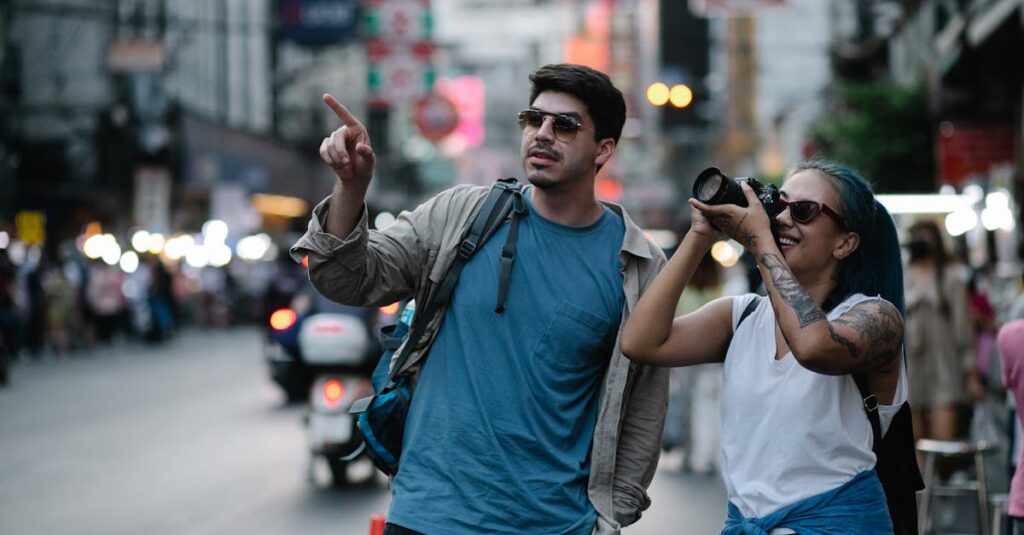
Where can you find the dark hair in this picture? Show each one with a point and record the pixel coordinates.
(876, 266)
(603, 101)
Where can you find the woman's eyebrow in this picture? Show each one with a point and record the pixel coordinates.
(782, 193)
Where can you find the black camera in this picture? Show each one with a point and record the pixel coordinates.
(714, 187)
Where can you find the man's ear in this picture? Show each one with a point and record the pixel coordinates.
(846, 247)
(605, 149)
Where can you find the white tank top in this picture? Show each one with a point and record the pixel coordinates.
(789, 433)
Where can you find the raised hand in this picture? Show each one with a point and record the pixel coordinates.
(750, 225)
(347, 150)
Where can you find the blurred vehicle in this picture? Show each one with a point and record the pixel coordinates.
(324, 352)
(5, 359)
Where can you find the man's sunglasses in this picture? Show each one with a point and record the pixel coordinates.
(804, 212)
(565, 126)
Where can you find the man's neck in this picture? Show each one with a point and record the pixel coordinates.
(566, 207)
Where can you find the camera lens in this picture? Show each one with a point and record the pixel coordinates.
(715, 187)
(707, 189)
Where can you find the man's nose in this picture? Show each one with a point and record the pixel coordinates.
(547, 128)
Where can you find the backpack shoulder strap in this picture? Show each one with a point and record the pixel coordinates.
(751, 306)
(504, 197)
(870, 407)
(871, 403)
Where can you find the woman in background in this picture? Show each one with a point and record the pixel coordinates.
(938, 333)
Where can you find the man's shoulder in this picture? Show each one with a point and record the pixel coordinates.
(462, 195)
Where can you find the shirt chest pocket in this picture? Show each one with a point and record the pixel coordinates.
(575, 340)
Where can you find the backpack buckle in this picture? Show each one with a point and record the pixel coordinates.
(467, 248)
(871, 403)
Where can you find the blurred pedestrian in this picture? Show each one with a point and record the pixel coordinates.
(938, 333)
(528, 420)
(162, 304)
(105, 296)
(10, 318)
(60, 296)
(796, 442)
(1011, 349)
(1017, 306)
(35, 313)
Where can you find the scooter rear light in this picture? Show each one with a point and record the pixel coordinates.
(333, 391)
(324, 327)
(389, 310)
(282, 319)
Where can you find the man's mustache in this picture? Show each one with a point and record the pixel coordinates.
(545, 149)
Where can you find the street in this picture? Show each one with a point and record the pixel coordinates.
(191, 437)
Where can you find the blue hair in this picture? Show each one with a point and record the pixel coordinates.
(876, 266)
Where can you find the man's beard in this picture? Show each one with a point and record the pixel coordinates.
(542, 182)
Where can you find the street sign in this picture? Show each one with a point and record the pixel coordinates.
(399, 51)
(135, 55)
(153, 199)
(318, 22)
(435, 117)
(970, 150)
(405, 21)
(706, 8)
(31, 227)
(399, 73)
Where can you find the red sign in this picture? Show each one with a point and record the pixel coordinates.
(966, 151)
(436, 117)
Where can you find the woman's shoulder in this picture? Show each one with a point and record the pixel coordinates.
(856, 299)
(740, 304)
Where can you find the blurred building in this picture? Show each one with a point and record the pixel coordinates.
(963, 53)
(145, 113)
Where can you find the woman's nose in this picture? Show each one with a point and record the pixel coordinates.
(785, 217)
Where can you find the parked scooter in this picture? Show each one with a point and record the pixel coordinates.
(331, 349)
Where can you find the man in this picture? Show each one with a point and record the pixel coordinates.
(530, 420)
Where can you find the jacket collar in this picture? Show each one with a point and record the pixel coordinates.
(634, 242)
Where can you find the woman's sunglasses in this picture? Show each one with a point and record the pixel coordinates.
(565, 126)
(804, 212)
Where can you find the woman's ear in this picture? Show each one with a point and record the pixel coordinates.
(846, 247)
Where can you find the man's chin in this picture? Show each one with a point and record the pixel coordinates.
(540, 180)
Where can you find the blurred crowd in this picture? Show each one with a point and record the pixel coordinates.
(53, 305)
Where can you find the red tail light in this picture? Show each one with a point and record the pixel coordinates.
(282, 319)
(328, 328)
(333, 391)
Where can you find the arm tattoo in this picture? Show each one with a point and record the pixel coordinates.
(724, 223)
(794, 295)
(879, 327)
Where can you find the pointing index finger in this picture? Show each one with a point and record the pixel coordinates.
(341, 111)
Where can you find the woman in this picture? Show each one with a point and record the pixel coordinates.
(796, 444)
(938, 333)
(1011, 349)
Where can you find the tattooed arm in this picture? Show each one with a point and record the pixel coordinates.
(866, 339)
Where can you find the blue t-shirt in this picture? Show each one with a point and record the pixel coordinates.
(499, 432)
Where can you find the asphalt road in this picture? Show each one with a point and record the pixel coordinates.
(192, 438)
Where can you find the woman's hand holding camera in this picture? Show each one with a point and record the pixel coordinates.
(750, 225)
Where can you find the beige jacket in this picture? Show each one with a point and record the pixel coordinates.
(410, 258)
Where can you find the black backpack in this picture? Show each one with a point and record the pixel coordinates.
(897, 462)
